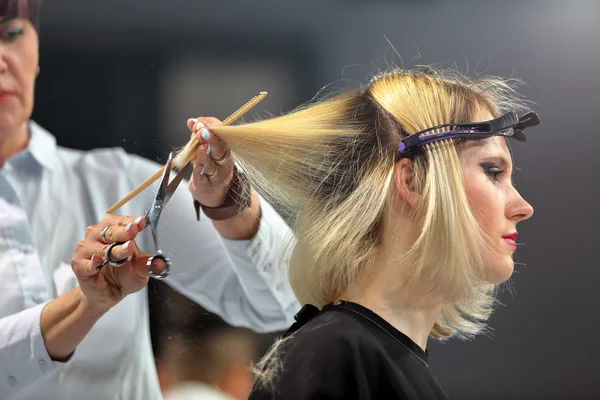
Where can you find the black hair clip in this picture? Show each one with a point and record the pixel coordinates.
(508, 125)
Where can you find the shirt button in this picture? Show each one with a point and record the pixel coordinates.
(267, 267)
(43, 365)
(337, 303)
(38, 298)
(12, 381)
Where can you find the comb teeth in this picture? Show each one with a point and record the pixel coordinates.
(244, 109)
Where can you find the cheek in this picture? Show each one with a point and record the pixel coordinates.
(484, 202)
(26, 77)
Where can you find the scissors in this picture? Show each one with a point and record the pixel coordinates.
(163, 195)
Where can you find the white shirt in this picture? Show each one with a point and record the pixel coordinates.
(48, 196)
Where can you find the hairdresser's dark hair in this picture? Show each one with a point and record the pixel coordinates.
(26, 9)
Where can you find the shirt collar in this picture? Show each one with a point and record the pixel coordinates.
(42, 146)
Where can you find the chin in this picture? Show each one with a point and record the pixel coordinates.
(500, 271)
(9, 124)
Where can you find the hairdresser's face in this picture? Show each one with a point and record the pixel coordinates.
(18, 69)
(496, 204)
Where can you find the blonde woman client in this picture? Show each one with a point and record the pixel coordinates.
(405, 215)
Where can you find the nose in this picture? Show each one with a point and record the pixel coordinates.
(519, 209)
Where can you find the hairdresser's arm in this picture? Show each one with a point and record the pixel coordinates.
(33, 339)
(66, 320)
(237, 279)
(245, 225)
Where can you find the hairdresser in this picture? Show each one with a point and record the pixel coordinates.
(69, 330)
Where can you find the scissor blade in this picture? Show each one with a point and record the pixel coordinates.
(175, 183)
(166, 171)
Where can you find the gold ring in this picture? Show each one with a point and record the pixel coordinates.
(212, 174)
(223, 159)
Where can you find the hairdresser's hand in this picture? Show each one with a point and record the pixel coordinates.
(213, 166)
(104, 288)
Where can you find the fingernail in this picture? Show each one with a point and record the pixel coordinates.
(208, 149)
(128, 227)
(126, 245)
(202, 171)
(137, 220)
(205, 134)
(199, 126)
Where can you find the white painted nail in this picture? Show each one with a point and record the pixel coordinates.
(199, 126)
(138, 220)
(205, 134)
(126, 245)
(128, 227)
(208, 149)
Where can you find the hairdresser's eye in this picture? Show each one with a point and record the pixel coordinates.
(493, 170)
(11, 34)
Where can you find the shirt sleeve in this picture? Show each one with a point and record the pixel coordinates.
(22, 351)
(239, 280)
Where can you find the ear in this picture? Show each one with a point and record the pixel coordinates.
(404, 180)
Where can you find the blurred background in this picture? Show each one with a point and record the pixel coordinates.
(130, 72)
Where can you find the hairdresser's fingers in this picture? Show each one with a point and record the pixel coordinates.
(85, 267)
(218, 170)
(209, 184)
(217, 148)
(115, 228)
(206, 121)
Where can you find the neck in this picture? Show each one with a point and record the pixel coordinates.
(412, 313)
(13, 142)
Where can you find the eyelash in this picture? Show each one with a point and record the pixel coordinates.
(11, 34)
(494, 171)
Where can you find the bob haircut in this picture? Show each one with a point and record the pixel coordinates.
(329, 166)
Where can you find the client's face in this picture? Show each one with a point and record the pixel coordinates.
(18, 68)
(496, 204)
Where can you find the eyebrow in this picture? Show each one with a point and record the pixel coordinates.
(498, 159)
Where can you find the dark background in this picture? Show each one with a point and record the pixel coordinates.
(130, 72)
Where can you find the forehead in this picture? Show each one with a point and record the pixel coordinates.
(494, 146)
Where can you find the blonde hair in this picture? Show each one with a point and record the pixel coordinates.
(329, 165)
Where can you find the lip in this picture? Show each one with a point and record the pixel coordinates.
(5, 96)
(511, 239)
(512, 236)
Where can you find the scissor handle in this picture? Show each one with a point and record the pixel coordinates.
(108, 258)
(163, 274)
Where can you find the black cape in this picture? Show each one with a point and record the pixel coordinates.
(346, 351)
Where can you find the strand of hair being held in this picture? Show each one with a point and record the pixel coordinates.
(187, 154)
